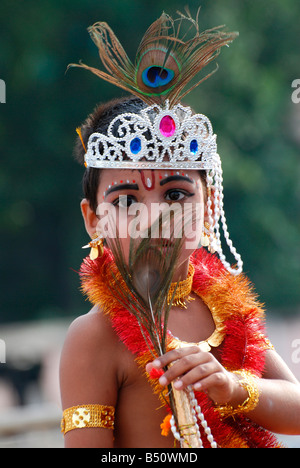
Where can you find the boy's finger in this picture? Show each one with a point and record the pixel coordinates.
(174, 355)
(186, 367)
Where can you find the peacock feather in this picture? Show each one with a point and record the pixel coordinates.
(147, 274)
(142, 281)
(166, 61)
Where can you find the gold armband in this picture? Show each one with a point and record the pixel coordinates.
(79, 417)
(249, 383)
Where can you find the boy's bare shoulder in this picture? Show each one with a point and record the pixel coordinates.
(92, 353)
(93, 331)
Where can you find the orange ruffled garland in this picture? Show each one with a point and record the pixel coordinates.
(166, 425)
(239, 320)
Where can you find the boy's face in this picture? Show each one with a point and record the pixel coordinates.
(130, 201)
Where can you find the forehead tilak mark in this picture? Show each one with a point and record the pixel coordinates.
(148, 183)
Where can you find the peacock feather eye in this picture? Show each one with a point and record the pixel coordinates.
(155, 76)
(157, 71)
(167, 59)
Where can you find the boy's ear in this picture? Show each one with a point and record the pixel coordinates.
(89, 216)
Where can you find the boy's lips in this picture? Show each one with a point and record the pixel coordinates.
(163, 244)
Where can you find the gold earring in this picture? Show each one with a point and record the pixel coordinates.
(96, 246)
(205, 237)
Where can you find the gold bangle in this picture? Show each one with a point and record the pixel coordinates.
(79, 417)
(249, 383)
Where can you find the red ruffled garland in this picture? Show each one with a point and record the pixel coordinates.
(242, 348)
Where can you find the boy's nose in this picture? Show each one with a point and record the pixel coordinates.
(161, 219)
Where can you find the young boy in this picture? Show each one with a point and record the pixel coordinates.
(113, 389)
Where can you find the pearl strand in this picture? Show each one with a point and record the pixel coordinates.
(214, 218)
(198, 414)
(225, 229)
(211, 221)
(174, 429)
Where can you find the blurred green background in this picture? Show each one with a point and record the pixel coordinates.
(248, 101)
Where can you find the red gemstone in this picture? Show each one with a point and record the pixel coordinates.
(167, 126)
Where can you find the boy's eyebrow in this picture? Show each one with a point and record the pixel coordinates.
(115, 188)
(176, 177)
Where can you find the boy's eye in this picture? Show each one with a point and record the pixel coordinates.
(177, 195)
(124, 201)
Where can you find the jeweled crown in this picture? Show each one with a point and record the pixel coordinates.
(164, 135)
(156, 138)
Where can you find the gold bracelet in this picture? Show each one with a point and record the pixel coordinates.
(249, 383)
(79, 417)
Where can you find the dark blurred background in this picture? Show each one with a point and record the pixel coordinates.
(249, 101)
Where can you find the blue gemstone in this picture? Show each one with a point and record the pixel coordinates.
(135, 145)
(154, 76)
(194, 146)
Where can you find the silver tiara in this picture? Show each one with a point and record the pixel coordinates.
(156, 138)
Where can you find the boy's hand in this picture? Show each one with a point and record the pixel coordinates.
(201, 370)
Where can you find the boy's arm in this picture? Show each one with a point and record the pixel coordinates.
(279, 405)
(89, 375)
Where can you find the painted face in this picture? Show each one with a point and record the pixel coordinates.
(130, 201)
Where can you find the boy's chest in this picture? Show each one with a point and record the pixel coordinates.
(192, 325)
(139, 411)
